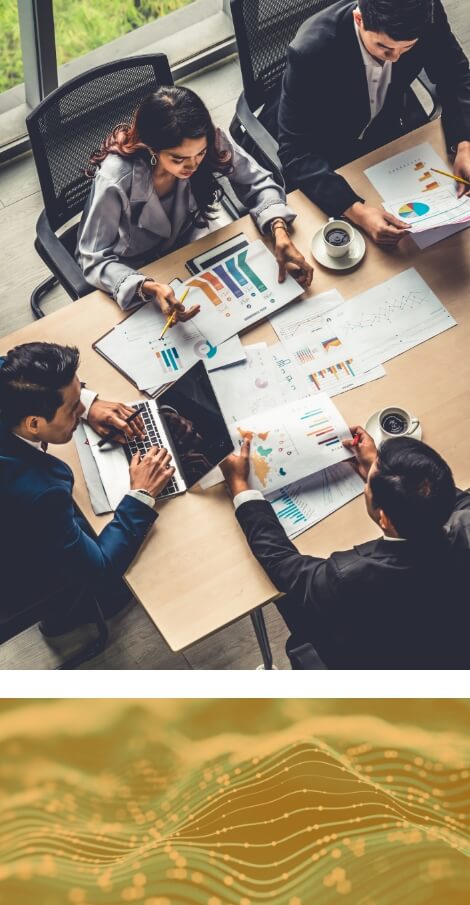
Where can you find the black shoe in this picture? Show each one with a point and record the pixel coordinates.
(61, 623)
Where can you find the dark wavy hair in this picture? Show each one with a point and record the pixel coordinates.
(401, 20)
(414, 486)
(162, 121)
(31, 378)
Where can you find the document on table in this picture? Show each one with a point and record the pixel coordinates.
(437, 209)
(292, 441)
(304, 503)
(135, 347)
(310, 335)
(392, 317)
(239, 291)
(410, 174)
(267, 377)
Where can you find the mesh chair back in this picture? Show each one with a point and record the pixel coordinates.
(264, 30)
(72, 121)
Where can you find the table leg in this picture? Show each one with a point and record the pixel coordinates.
(259, 626)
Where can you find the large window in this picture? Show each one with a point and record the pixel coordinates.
(46, 42)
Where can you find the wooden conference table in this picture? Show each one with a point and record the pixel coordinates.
(195, 573)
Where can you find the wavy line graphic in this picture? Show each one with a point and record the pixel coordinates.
(108, 802)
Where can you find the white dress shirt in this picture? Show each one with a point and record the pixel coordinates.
(86, 398)
(379, 76)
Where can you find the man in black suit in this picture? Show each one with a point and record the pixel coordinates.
(400, 602)
(343, 94)
(48, 551)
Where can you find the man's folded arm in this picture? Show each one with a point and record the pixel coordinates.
(301, 132)
(77, 555)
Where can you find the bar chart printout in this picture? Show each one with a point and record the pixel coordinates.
(303, 504)
(291, 441)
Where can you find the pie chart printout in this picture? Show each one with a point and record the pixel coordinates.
(414, 209)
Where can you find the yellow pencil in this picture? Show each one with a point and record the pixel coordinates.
(170, 319)
(451, 176)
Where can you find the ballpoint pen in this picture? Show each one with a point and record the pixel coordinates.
(118, 430)
(170, 319)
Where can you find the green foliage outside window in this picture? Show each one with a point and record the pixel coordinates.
(80, 26)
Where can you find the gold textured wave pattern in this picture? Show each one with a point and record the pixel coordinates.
(118, 815)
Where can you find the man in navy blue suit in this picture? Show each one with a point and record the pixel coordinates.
(48, 552)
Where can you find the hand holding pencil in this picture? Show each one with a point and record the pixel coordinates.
(169, 305)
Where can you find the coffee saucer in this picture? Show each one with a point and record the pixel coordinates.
(351, 259)
(372, 427)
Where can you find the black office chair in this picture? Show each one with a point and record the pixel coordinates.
(302, 655)
(65, 129)
(12, 625)
(264, 30)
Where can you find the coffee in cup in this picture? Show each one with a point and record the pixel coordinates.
(395, 421)
(338, 237)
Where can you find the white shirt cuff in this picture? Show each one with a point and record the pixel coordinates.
(246, 496)
(148, 500)
(87, 397)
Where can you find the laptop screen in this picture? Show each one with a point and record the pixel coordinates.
(195, 424)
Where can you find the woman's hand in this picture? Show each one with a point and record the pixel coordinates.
(290, 259)
(168, 303)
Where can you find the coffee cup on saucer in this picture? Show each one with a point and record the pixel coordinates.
(338, 237)
(395, 421)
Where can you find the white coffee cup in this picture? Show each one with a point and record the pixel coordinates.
(395, 421)
(337, 251)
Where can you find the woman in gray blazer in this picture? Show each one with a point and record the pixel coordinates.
(154, 186)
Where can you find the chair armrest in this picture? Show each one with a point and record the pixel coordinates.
(431, 90)
(59, 260)
(303, 656)
(260, 136)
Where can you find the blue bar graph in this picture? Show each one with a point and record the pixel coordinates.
(222, 273)
(289, 511)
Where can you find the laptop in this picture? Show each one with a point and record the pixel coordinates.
(186, 419)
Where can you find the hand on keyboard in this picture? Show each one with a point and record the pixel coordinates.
(152, 471)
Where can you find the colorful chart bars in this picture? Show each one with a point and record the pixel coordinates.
(169, 360)
(320, 428)
(288, 509)
(332, 373)
(304, 355)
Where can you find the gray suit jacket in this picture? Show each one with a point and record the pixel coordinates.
(124, 224)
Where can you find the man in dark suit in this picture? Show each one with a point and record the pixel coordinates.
(400, 602)
(48, 552)
(343, 94)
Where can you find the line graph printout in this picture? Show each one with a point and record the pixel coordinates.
(304, 503)
(309, 332)
(392, 317)
(292, 441)
(239, 291)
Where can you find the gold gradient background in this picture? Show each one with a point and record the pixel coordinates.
(235, 802)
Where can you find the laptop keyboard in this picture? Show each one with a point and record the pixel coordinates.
(153, 438)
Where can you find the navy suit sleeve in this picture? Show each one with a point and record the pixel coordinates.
(312, 580)
(76, 555)
(301, 128)
(448, 67)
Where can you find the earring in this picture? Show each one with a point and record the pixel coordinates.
(153, 159)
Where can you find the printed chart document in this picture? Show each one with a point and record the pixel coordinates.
(409, 176)
(305, 503)
(310, 335)
(392, 317)
(135, 347)
(292, 441)
(267, 378)
(239, 291)
(438, 208)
